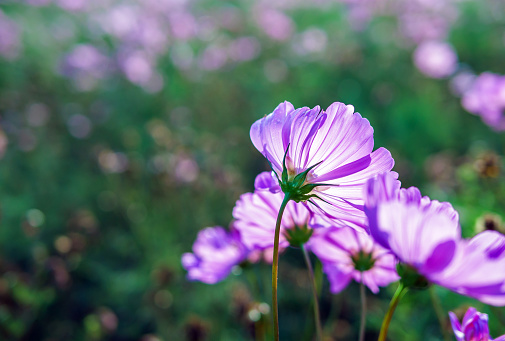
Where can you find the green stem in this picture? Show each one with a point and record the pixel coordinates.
(317, 317)
(439, 311)
(363, 309)
(400, 291)
(275, 266)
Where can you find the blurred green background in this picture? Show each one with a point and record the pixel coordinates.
(125, 130)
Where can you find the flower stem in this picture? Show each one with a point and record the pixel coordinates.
(317, 318)
(275, 266)
(363, 309)
(435, 301)
(400, 291)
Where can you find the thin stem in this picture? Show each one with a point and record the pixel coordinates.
(259, 330)
(400, 291)
(275, 266)
(363, 309)
(317, 317)
(437, 306)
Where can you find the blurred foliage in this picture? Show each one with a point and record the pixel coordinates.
(104, 188)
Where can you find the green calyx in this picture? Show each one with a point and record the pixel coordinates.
(411, 278)
(298, 235)
(296, 186)
(363, 261)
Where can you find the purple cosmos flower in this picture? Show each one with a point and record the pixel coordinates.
(215, 253)
(486, 98)
(436, 59)
(425, 236)
(322, 156)
(256, 215)
(474, 327)
(348, 254)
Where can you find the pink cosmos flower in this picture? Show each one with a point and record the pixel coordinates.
(324, 157)
(474, 327)
(348, 254)
(425, 236)
(486, 98)
(256, 215)
(215, 253)
(436, 59)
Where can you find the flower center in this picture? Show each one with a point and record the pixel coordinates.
(363, 261)
(298, 235)
(411, 278)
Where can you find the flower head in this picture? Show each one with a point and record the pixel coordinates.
(436, 59)
(425, 236)
(215, 253)
(474, 326)
(348, 254)
(486, 98)
(324, 157)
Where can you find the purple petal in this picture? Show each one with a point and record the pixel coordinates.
(456, 327)
(348, 169)
(490, 242)
(338, 278)
(440, 258)
(267, 181)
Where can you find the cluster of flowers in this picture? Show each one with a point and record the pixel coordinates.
(482, 95)
(146, 31)
(346, 206)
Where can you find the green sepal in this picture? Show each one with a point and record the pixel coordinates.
(411, 278)
(299, 180)
(363, 261)
(284, 168)
(298, 235)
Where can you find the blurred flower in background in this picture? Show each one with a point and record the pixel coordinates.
(435, 59)
(486, 98)
(215, 253)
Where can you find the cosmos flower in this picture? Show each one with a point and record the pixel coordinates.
(425, 236)
(486, 98)
(215, 253)
(324, 157)
(347, 254)
(436, 59)
(256, 215)
(474, 326)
